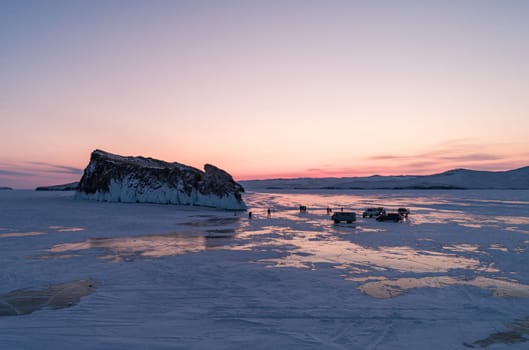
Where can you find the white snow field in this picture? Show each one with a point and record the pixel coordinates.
(95, 275)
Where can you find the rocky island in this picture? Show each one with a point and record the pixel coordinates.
(72, 186)
(115, 178)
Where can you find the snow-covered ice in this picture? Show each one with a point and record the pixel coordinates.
(453, 276)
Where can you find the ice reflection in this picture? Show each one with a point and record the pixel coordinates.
(513, 220)
(306, 252)
(498, 247)
(21, 234)
(320, 200)
(433, 208)
(311, 240)
(470, 220)
(66, 228)
(392, 288)
(515, 229)
(149, 246)
(463, 247)
(39, 233)
(129, 247)
(371, 229)
(203, 232)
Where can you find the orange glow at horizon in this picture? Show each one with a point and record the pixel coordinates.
(33, 174)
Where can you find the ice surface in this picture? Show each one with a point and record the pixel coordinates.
(175, 277)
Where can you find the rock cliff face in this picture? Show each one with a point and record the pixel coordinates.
(114, 178)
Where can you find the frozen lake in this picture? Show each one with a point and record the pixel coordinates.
(87, 275)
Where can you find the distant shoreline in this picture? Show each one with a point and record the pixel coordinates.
(457, 179)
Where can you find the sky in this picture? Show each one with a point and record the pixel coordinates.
(264, 89)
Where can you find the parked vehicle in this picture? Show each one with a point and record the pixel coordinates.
(346, 216)
(404, 212)
(390, 217)
(373, 212)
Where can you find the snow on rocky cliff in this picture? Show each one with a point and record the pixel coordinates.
(115, 178)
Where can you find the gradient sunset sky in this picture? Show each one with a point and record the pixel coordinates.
(264, 88)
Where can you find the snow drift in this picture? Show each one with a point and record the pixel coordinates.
(115, 178)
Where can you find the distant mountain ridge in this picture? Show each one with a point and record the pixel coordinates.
(451, 179)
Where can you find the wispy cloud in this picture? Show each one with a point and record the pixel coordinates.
(457, 153)
(440, 155)
(34, 173)
(472, 157)
(13, 173)
(55, 168)
(452, 151)
(422, 164)
(388, 157)
(330, 171)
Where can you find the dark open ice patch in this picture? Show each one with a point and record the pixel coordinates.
(220, 233)
(55, 296)
(213, 221)
(519, 330)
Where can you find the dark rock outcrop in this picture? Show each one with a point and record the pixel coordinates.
(110, 177)
(55, 296)
(66, 187)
